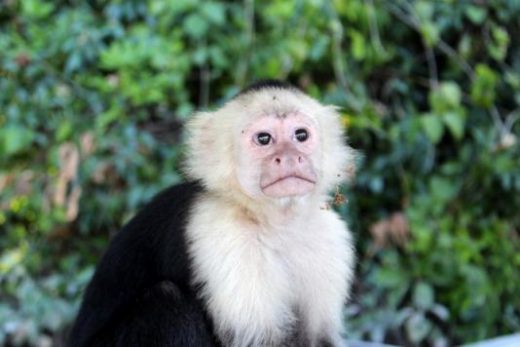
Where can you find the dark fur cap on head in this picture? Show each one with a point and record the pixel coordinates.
(267, 84)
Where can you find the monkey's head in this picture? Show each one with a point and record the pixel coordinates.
(269, 142)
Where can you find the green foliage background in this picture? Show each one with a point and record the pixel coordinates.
(93, 96)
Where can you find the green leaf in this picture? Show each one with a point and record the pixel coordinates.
(15, 139)
(214, 12)
(455, 122)
(200, 55)
(433, 127)
(498, 47)
(109, 116)
(196, 26)
(417, 328)
(172, 7)
(513, 79)
(319, 47)
(465, 45)
(358, 47)
(440, 311)
(430, 33)
(446, 96)
(36, 8)
(11, 258)
(424, 9)
(423, 296)
(484, 85)
(390, 278)
(442, 189)
(476, 14)
(64, 131)
(73, 62)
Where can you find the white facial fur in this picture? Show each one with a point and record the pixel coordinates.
(269, 261)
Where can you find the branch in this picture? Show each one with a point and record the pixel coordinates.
(249, 38)
(374, 30)
(337, 38)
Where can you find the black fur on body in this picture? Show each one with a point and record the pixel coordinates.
(141, 294)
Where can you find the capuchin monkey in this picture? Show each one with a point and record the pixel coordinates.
(247, 253)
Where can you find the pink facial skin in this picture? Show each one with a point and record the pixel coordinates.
(280, 147)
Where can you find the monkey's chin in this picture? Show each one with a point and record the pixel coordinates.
(289, 187)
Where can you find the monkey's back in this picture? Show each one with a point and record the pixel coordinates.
(148, 254)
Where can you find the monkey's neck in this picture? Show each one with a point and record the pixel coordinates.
(272, 212)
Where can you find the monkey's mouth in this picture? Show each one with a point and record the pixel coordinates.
(289, 177)
(290, 185)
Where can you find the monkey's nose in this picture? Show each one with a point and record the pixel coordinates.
(288, 160)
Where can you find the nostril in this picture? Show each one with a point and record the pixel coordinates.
(277, 161)
(299, 159)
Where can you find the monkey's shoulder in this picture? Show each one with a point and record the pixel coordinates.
(172, 201)
(153, 234)
(168, 209)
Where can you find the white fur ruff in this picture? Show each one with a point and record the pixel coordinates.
(256, 279)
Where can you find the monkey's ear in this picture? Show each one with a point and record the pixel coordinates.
(338, 158)
(209, 153)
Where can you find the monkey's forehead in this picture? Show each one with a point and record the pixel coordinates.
(273, 101)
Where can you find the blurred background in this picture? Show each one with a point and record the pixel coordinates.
(94, 95)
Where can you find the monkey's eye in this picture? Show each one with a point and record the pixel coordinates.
(263, 139)
(301, 135)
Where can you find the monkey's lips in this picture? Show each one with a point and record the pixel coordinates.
(288, 185)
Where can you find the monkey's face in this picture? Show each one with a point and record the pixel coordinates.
(268, 144)
(277, 155)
